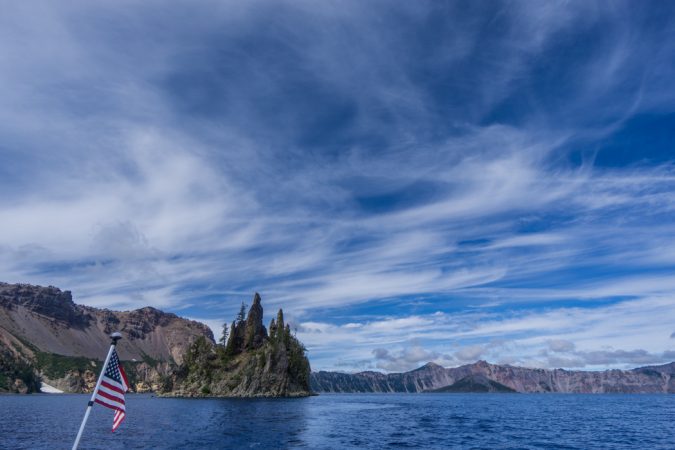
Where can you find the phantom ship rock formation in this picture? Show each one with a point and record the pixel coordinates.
(251, 364)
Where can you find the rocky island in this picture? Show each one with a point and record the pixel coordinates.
(252, 363)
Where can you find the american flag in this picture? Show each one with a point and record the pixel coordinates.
(114, 384)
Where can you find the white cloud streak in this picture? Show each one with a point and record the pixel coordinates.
(180, 170)
(619, 335)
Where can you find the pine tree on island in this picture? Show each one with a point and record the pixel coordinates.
(250, 363)
(241, 317)
(223, 337)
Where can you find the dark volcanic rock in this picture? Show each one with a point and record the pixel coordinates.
(49, 301)
(255, 332)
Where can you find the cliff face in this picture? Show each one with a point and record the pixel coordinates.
(653, 379)
(65, 342)
(475, 384)
(252, 364)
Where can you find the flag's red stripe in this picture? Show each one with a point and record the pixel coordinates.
(124, 377)
(115, 392)
(111, 405)
(117, 420)
(113, 382)
(111, 397)
(108, 405)
(110, 392)
(114, 396)
(112, 387)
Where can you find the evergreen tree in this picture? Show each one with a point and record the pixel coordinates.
(241, 317)
(223, 337)
(229, 347)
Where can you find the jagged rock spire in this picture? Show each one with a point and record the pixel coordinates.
(273, 328)
(280, 325)
(280, 318)
(255, 334)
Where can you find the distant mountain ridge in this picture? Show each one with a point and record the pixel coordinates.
(651, 379)
(43, 327)
(474, 383)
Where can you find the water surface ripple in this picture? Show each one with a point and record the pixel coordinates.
(338, 421)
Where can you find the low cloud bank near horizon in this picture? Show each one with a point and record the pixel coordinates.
(623, 335)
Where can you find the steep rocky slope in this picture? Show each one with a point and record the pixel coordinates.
(475, 383)
(653, 379)
(64, 342)
(252, 364)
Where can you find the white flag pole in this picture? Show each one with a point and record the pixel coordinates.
(115, 337)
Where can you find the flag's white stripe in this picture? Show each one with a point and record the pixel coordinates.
(117, 420)
(112, 389)
(112, 403)
(108, 403)
(119, 416)
(112, 382)
(117, 396)
(116, 402)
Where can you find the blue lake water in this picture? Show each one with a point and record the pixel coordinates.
(338, 421)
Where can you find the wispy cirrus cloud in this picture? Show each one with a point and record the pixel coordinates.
(349, 161)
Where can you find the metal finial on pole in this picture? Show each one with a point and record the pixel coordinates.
(116, 336)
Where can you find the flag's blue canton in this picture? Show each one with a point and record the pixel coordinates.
(113, 369)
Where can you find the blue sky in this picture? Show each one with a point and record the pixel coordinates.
(410, 181)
